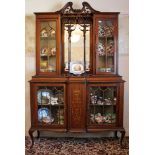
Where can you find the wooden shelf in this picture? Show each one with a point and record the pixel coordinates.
(108, 37)
(56, 105)
(109, 55)
(47, 55)
(47, 38)
(102, 105)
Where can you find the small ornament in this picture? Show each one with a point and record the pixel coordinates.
(44, 51)
(54, 100)
(108, 101)
(44, 33)
(115, 99)
(100, 49)
(93, 99)
(98, 118)
(53, 51)
(92, 118)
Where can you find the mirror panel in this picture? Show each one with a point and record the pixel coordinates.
(77, 46)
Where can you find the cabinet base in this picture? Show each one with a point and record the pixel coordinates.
(121, 130)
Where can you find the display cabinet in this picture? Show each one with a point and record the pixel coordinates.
(77, 87)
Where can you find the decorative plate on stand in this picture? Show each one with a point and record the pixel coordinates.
(43, 96)
(44, 115)
(76, 68)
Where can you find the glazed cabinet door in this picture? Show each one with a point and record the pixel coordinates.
(49, 106)
(105, 45)
(103, 106)
(48, 44)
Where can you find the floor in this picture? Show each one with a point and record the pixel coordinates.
(76, 146)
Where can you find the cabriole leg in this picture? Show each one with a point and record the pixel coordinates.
(122, 136)
(31, 136)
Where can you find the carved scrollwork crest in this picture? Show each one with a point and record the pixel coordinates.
(68, 9)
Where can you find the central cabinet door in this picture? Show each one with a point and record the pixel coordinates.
(77, 107)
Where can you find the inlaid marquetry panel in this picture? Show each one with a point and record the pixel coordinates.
(77, 107)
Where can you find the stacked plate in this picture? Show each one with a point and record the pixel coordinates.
(44, 115)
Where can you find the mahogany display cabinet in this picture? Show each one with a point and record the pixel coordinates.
(77, 87)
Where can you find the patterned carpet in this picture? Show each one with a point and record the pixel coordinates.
(76, 146)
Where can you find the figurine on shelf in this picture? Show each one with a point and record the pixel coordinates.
(110, 118)
(108, 30)
(100, 101)
(115, 99)
(54, 100)
(100, 49)
(105, 31)
(99, 118)
(44, 51)
(51, 68)
(53, 51)
(60, 98)
(108, 101)
(44, 33)
(92, 118)
(100, 30)
(108, 69)
(93, 99)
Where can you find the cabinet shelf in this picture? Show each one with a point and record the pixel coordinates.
(47, 55)
(108, 37)
(50, 124)
(47, 38)
(102, 105)
(56, 105)
(109, 55)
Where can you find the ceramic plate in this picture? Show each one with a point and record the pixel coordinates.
(43, 96)
(44, 115)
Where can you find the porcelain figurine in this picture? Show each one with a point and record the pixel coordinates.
(44, 33)
(98, 118)
(93, 99)
(54, 100)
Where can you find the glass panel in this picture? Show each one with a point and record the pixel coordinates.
(105, 46)
(50, 105)
(102, 105)
(77, 46)
(48, 46)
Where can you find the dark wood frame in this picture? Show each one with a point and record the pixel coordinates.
(76, 85)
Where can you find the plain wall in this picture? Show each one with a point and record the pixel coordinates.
(49, 6)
